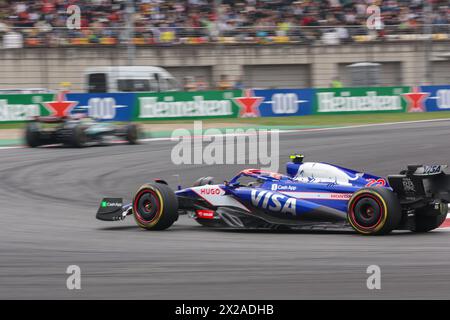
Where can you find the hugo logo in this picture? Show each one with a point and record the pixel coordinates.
(211, 191)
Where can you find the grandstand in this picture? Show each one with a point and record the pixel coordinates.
(256, 43)
(42, 23)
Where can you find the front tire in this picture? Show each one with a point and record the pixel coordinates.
(426, 222)
(374, 211)
(155, 207)
(32, 135)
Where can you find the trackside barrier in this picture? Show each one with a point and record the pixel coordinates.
(360, 100)
(285, 102)
(228, 104)
(20, 107)
(186, 105)
(436, 98)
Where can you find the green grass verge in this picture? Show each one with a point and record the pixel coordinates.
(313, 120)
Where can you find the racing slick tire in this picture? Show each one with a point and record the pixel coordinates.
(78, 137)
(374, 211)
(132, 133)
(155, 206)
(426, 222)
(32, 134)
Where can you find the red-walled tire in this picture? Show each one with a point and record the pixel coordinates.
(374, 211)
(155, 206)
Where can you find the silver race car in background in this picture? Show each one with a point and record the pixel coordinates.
(76, 131)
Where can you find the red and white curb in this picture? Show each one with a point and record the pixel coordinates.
(446, 224)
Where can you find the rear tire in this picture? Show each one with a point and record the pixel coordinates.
(155, 206)
(374, 211)
(425, 223)
(78, 139)
(32, 135)
(132, 134)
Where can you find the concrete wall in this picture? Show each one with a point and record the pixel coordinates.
(257, 65)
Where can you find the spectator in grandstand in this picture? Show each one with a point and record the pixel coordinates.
(168, 21)
(224, 83)
(336, 83)
(12, 40)
(189, 84)
(202, 84)
(238, 84)
(442, 16)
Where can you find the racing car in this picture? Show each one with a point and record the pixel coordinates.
(76, 131)
(310, 195)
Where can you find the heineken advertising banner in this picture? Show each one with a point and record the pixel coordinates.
(361, 100)
(435, 98)
(21, 107)
(285, 102)
(225, 104)
(187, 105)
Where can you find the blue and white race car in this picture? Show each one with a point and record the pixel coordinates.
(310, 195)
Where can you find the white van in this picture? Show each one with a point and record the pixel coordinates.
(129, 79)
(25, 91)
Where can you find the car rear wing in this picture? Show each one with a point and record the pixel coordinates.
(49, 119)
(419, 182)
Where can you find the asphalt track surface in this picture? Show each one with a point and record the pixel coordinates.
(48, 198)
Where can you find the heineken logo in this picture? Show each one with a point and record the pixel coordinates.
(329, 102)
(17, 112)
(150, 107)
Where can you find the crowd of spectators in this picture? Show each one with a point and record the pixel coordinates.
(208, 19)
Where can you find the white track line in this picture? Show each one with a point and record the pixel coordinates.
(12, 147)
(367, 125)
(306, 130)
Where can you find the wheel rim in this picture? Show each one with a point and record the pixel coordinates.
(366, 212)
(146, 206)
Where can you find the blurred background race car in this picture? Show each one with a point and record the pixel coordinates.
(76, 132)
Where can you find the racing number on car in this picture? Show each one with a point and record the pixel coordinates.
(376, 182)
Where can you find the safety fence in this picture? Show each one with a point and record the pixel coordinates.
(226, 104)
(282, 56)
(283, 33)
